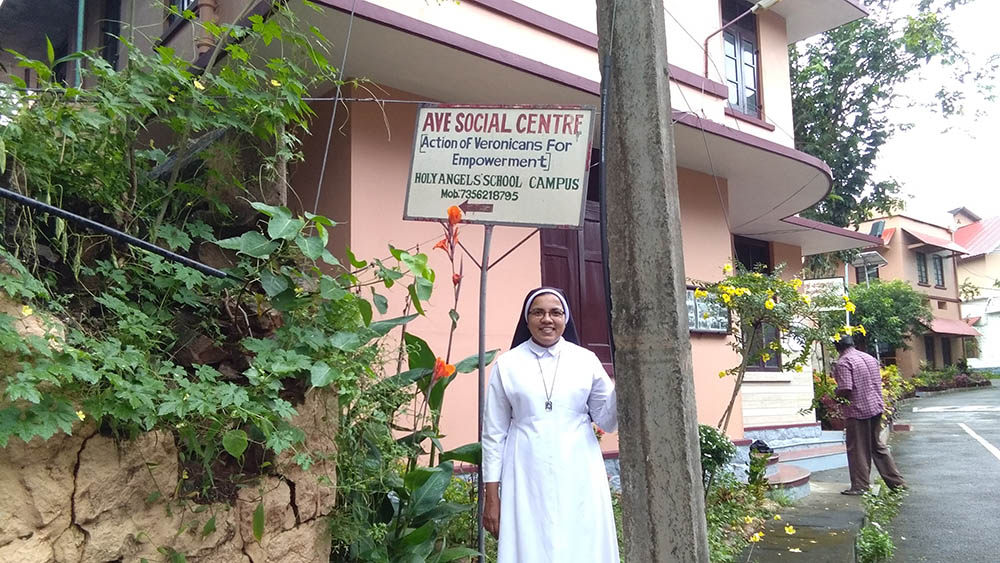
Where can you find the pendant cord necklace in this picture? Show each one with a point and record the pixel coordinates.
(548, 390)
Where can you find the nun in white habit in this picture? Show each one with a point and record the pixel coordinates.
(547, 497)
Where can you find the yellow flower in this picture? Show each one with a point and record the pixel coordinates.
(748, 519)
(765, 357)
(758, 275)
(199, 85)
(806, 299)
(754, 538)
(777, 517)
(184, 475)
(849, 307)
(704, 315)
(726, 268)
(789, 529)
(861, 329)
(275, 82)
(849, 330)
(27, 311)
(769, 304)
(700, 293)
(836, 337)
(81, 415)
(171, 98)
(845, 298)
(796, 283)
(770, 293)
(798, 368)
(726, 298)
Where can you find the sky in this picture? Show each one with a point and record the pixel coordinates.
(948, 163)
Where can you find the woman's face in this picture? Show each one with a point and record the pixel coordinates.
(546, 319)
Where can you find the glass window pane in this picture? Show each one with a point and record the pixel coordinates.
(750, 76)
(751, 101)
(730, 44)
(748, 53)
(734, 93)
(731, 69)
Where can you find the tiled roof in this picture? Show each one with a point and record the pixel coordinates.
(953, 326)
(980, 237)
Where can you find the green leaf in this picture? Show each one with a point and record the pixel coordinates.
(415, 299)
(273, 284)
(209, 527)
(430, 493)
(424, 288)
(177, 557)
(418, 352)
(346, 341)
(381, 328)
(258, 521)
(50, 52)
(3, 157)
(469, 453)
(365, 309)
(471, 364)
(420, 535)
(250, 243)
(330, 289)
(284, 226)
(354, 261)
(321, 374)
(269, 210)
(415, 479)
(311, 247)
(407, 377)
(235, 442)
(454, 316)
(285, 301)
(442, 512)
(381, 303)
(453, 553)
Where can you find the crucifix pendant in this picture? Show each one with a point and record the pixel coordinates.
(548, 405)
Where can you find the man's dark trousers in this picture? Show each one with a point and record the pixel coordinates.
(864, 445)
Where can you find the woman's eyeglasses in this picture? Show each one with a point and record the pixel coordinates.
(555, 314)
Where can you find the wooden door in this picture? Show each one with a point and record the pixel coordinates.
(571, 261)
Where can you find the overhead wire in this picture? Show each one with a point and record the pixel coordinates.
(333, 112)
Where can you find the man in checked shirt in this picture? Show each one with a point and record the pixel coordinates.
(859, 381)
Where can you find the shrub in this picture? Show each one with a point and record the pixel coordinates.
(716, 451)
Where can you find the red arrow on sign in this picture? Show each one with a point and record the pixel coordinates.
(467, 207)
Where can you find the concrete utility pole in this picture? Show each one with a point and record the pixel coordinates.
(664, 508)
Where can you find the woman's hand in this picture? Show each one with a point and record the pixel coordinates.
(491, 509)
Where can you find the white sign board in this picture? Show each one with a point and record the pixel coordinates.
(503, 165)
(825, 286)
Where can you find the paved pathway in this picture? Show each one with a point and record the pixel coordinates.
(952, 465)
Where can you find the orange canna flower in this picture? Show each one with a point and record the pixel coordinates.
(442, 244)
(442, 369)
(455, 278)
(454, 215)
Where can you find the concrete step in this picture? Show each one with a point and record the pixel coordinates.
(792, 479)
(818, 458)
(803, 444)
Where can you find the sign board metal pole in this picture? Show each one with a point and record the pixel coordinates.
(481, 487)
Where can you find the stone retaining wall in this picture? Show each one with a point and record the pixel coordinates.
(85, 499)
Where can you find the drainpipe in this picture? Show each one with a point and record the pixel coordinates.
(206, 13)
(758, 7)
(78, 79)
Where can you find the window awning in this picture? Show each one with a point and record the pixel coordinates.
(952, 326)
(936, 242)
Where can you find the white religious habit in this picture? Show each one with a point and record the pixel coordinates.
(538, 442)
